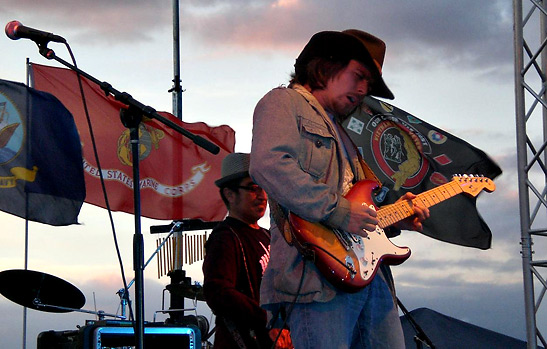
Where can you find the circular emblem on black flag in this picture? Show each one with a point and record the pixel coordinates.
(398, 152)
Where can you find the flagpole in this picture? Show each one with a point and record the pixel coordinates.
(176, 89)
(25, 311)
(176, 275)
(177, 111)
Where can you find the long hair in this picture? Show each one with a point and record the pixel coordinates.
(317, 72)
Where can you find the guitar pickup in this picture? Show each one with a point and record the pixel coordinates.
(343, 238)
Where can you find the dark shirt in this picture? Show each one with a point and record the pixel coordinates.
(236, 257)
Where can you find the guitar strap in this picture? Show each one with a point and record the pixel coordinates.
(281, 219)
(386, 271)
(354, 153)
(230, 325)
(244, 261)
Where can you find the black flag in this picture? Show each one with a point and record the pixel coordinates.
(408, 154)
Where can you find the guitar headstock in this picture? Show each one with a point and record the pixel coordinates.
(473, 184)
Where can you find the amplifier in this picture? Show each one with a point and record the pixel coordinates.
(117, 334)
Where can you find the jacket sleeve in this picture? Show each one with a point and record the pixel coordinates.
(290, 156)
(220, 271)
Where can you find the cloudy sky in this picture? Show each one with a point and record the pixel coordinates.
(448, 62)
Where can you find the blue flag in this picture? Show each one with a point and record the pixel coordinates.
(41, 172)
(408, 154)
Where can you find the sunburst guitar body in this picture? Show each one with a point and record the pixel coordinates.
(350, 261)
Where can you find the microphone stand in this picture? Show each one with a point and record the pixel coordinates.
(131, 118)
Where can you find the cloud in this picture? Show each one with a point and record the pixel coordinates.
(439, 46)
(471, 34)
(465, 33)
(105, 21)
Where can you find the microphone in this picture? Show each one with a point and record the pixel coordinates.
(15, 31)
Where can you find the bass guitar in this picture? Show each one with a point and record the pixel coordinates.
(350, 261)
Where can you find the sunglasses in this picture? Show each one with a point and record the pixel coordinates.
(253, 188)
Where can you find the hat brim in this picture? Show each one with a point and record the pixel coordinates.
(225, 180)
(380, 89)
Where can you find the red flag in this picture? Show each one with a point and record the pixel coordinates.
(176, 176)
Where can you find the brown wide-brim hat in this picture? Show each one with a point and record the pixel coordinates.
(345, 45)
(234, 166)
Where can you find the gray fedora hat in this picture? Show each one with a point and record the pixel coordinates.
(234, 166)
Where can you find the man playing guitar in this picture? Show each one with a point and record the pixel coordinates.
(307, 165)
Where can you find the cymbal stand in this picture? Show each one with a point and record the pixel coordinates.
(420, 338)
(101, 314)
(122, 293)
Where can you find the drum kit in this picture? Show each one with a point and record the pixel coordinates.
(44, 292)
(48, 293)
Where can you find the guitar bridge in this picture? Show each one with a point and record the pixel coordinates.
(350, 266)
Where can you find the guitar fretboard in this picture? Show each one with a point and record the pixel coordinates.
(391, 214)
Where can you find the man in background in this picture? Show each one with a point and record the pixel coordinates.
(237, 253)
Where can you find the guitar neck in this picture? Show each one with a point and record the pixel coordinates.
(391, 214)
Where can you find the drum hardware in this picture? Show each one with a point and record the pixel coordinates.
(181, 286)
(183, 225)
(180, 248)
(100, 314)
(198, 321)
(187, 290)
(44, 292)
(40, 291)
(124, 293)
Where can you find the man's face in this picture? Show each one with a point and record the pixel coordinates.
(248, 201)
(345, 90)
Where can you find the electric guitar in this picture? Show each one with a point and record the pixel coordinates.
(349, 261)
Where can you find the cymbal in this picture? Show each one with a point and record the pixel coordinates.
(187, 291)
(32, 288)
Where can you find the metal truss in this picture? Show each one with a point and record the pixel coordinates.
(530, 39)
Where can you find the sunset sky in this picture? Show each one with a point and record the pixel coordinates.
(448, 62)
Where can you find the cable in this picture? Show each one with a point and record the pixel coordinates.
(107, 204)
(291, 306)
(351, 270)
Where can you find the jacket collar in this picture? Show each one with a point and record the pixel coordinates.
(314, 103)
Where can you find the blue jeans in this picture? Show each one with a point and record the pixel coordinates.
(366, 319)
